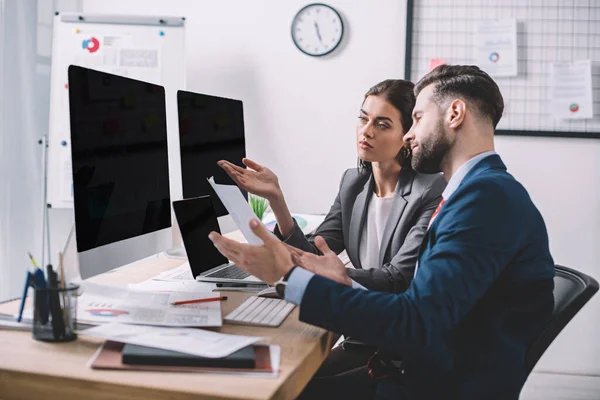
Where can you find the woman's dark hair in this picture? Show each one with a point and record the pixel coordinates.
(400, 94)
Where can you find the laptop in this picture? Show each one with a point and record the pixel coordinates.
(196, 218)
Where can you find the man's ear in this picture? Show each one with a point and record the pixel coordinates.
(457, 112)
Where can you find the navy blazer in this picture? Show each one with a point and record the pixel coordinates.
(482, 294)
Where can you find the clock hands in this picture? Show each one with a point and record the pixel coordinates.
(318, 33)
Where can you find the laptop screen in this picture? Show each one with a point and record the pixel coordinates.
(197, 218)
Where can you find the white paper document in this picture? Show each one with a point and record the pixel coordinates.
(238, 208)
(197, 342)
(497, 47)
(571, 90)
(172, 286)
(9, 322)
(181, 273)
(102, 304)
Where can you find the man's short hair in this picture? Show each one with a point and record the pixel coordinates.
(469, 83)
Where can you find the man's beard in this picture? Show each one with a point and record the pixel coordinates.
(432, 152)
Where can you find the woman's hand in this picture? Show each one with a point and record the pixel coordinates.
(258, 180)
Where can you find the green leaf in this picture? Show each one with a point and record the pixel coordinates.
(259, 206)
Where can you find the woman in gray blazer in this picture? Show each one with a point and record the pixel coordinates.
(383, 207)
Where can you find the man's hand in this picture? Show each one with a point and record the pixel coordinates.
(268, 262)
(327, 265)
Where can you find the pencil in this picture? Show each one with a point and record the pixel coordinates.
(61, 270)
(32, 259)
(63, 285)
(178, 303)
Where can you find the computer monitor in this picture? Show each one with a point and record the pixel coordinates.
(211, 128)
(120, 169)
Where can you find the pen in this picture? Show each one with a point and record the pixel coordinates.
(38, 281)
(28, 280)
(32, 260)
(178, 303)
(58, 324)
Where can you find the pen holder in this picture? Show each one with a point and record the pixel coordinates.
(54, 314)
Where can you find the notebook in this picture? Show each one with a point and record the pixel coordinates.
(109, 357)
(142, 355)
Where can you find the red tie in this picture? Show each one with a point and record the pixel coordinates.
(437, 210)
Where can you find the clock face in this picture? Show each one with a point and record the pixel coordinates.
(317, 29)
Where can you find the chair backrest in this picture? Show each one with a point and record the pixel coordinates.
(572, 289)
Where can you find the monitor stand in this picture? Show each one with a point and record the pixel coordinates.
(177, 253)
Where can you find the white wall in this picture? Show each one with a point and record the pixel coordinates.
(300, 115)
(25, 50)
(563, 179)
(21, 79)
(300, 112)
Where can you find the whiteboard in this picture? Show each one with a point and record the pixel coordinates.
(141, 47)
(547, 32)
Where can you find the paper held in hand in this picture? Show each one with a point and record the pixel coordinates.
(238, 208)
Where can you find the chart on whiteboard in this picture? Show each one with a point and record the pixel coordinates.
(146, 48)
(124, 55)
(116, 54)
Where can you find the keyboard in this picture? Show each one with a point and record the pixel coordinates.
(230, 272)
(260, 311)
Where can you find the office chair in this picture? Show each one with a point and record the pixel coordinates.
(572, 289)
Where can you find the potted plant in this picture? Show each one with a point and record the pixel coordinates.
(259, 206)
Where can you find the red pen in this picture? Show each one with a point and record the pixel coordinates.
(178, 303)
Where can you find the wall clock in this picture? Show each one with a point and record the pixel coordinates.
(317, 29)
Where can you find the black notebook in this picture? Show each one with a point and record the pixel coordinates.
(141, 355)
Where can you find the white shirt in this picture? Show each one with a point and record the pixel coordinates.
(460, 174)
(378, 213)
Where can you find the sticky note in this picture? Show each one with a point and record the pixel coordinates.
(435, 62)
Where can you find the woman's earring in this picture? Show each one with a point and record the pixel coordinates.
(405, 153)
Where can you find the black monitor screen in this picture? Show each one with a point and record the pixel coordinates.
(119, 155)
(210, 129)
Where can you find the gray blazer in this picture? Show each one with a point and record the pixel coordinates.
(416, 198)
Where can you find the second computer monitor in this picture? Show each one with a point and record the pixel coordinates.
(211, 128)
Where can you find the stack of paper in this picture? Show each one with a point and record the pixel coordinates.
(102, 304)
(176, 285)
(184, 340)
(181, 273)
(267, 362)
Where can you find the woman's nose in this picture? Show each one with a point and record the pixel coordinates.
(367, 131)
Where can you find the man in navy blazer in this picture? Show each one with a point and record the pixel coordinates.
(482, 290)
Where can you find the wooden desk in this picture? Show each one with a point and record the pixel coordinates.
(36, 370)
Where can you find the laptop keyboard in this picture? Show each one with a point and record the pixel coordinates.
(230, 272)
(260, 311)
